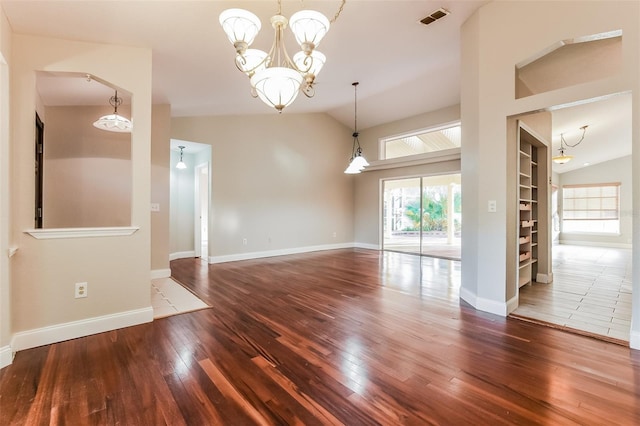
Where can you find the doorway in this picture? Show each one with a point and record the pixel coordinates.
(422, 215)
(592, 245)
(201, 209)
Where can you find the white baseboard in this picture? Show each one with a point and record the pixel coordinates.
(486, 305)
(634, 339)
(182, 255)
(492, 306)
(71, 330)
(272, 253)
(595, 244)
(512, 304)
(468, 296)
(366, 246)
(544, 278)
(6, 356)
(160, 273)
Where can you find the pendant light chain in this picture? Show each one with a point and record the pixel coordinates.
(355, 109)
(563, 140)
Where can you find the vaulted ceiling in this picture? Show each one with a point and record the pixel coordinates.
(404, 67)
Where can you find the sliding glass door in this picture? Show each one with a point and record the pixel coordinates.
(401, 215)
(422, 215)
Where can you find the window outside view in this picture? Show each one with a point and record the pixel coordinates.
(423, 216)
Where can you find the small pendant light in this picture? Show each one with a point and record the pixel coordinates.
(181, 164)
(114, 122)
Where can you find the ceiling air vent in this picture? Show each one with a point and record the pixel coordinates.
(434, 16)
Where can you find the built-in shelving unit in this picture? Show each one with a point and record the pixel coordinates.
(528, 213)
(529, 197)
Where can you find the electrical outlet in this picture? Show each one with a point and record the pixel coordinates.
(81, 290)
(244, 241)
(335, 234)
(155, 207)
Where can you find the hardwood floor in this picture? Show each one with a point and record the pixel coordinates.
(338, 337)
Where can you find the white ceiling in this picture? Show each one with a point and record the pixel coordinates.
(404, 68)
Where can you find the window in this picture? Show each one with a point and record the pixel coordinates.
(422, 142)
(593, 208)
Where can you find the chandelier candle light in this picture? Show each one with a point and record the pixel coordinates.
(357, 163)
(276, 78)
(114, 122)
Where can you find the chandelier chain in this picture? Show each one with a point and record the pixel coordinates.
(335, 17)
(338, 12)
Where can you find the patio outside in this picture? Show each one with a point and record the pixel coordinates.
(423, 216)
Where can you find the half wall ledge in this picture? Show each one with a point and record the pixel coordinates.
(47, 234)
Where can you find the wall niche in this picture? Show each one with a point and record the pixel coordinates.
(87, 172)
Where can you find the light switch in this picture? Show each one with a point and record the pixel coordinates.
(155, 207)
(492, 207)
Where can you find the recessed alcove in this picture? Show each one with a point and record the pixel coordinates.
(86, 171)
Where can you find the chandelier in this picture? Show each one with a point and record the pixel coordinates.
(114, 122)
(565, 158)
(357, 163)
(275, 77)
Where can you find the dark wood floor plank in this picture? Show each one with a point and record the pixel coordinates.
(329, 338)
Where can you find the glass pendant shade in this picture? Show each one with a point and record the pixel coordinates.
(277, 86)
(309, 64)
(359, 162)
(241, 26)
(352, 169)
(114, 123)
(562, 159)
(309, 27)
(252, 61)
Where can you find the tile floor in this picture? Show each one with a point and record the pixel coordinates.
(170, 298)
(591, 292)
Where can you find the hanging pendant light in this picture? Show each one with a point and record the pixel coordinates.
(114, 122)
(357, 163)
(562, 158)
(275, 78)
(565, 158)
(181, 165)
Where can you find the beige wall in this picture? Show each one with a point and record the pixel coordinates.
(87, 171)
(181, 243)
(116, 268)
(5, 189)
(618, 170)
(276, 180)
(488, 97)
(160, 167)
(367, 220)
